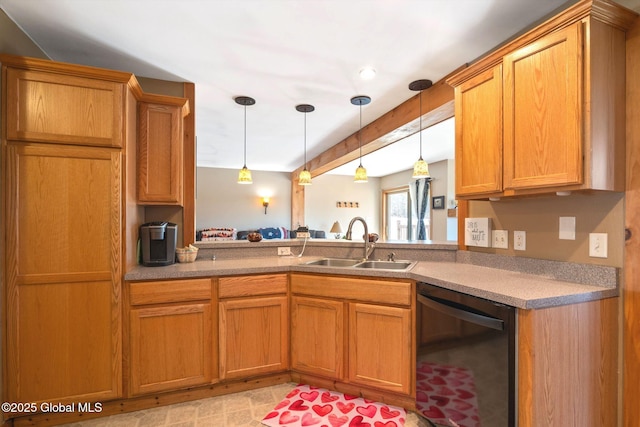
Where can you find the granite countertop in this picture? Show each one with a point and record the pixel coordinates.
(517, 289)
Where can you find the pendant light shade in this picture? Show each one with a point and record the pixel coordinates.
(244, 176)
(361, 172)
(420, 167)
(305, 176)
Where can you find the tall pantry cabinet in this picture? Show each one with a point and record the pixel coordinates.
(64, 139)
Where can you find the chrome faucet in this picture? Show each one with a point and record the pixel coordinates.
(368, 247)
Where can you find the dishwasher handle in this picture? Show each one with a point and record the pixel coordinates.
(461, 311)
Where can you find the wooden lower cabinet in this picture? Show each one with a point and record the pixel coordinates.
(346, 329)
(254, 325)
(568, 370)
(171, 335)
(317, 336)
(380, 347)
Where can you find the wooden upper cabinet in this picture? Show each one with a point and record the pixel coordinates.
(51, 107)
(160, 151)
(561, 123)
(479, 134)
(543, 112)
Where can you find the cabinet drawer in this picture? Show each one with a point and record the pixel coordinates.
(243, 286)
(367, 290)
(50, 107)
(169, 291)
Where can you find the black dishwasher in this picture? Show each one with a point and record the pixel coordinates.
(465, 373)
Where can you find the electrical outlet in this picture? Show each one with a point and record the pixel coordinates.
(519, 240)
(284, 251)
(500, 239)
(598, 245)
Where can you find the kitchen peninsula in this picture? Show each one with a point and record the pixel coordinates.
(581, 314)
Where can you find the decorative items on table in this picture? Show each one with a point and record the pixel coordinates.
(336, 229)
(254, 237)
(187, 254)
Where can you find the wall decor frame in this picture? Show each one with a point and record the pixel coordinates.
(437, 202)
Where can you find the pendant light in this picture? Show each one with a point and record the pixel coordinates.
(361, 172)
(420, 168)
(305, 175)
(244, 177)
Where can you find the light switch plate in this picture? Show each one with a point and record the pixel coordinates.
(567, 228)
(500, 239)
(520, 240)
(598, 245)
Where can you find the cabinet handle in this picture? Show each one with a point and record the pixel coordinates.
(462, 312)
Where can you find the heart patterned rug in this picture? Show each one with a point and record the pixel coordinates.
(313, 406)
(446, 395)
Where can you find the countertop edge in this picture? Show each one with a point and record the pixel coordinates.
(547, 292)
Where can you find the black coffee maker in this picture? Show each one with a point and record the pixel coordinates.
(158, 243)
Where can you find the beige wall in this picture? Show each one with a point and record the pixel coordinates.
(14, 42)
(222, 202)
(539, 217)
(320, 207)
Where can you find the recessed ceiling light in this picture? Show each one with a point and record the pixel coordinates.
(367, 73)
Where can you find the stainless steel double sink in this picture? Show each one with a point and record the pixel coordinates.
(355, 263)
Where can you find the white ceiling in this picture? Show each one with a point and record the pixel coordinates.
(282, 53)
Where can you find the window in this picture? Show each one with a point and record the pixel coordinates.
(397, 221)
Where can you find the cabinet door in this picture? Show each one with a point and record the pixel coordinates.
(543, 112)
(254, 336)
(478, 104)
(380, 353)
(51, 107)
(317, 336)
(170, 347)
(62, 272)
(160, 154)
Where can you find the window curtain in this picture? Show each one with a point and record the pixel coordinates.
(419, 191)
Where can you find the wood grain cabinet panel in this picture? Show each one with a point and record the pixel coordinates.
(253, 325)
(543, 112)
(58, 108)
(170, 347)
(171, 335)
(160, 150)
(339, 333)
(568, 368)
(479, 134)
(63, 272)
(380, 347)
(318, 336)
(561, 123)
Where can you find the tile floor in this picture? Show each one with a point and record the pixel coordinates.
(244, 409)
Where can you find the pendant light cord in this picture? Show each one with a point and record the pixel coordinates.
(245, 136)
(305, 140)
(420, 130)
(360, 134)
